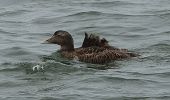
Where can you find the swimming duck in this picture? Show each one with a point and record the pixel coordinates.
(93, 50)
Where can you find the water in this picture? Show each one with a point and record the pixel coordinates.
(138, 25)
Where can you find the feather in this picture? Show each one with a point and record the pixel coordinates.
(93, 50)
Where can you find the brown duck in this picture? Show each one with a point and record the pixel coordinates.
(93, 50)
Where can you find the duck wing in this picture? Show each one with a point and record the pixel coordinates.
(100, 55)
(90, 40)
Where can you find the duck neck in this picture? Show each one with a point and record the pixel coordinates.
(67, 47)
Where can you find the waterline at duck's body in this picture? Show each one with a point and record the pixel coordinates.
(93, 50)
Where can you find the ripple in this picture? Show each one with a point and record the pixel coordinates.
(107, 3)
(14, 51)
(161, 47)
(160, 12)
(16, 67)
(44, 20)
(165, 33)
(10, 69)
(50, 98)
(9, 84)
(129, 80)
(91, 13)
(99, 13)
(142, 98)
(13, 13)
(6, 32)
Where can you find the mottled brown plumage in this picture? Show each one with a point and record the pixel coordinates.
(93, 50)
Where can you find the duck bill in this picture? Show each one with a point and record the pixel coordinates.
(49, 41)
(46, 42)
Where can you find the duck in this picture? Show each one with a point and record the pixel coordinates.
(93, 50)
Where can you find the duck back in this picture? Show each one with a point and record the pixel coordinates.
(99, 55)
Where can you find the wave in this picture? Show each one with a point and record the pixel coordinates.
(45, 20)
(6, 32)
(93, 13)
(130, 80)
(163, 12)
(9, 84)
(97, 13)
(13, 13)
(162, 73)
(15, 51)
(142, 98)
(162, 47)
(107, 3)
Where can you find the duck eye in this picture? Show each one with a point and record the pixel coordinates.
(59, 34)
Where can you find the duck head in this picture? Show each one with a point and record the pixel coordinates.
(62, 38)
